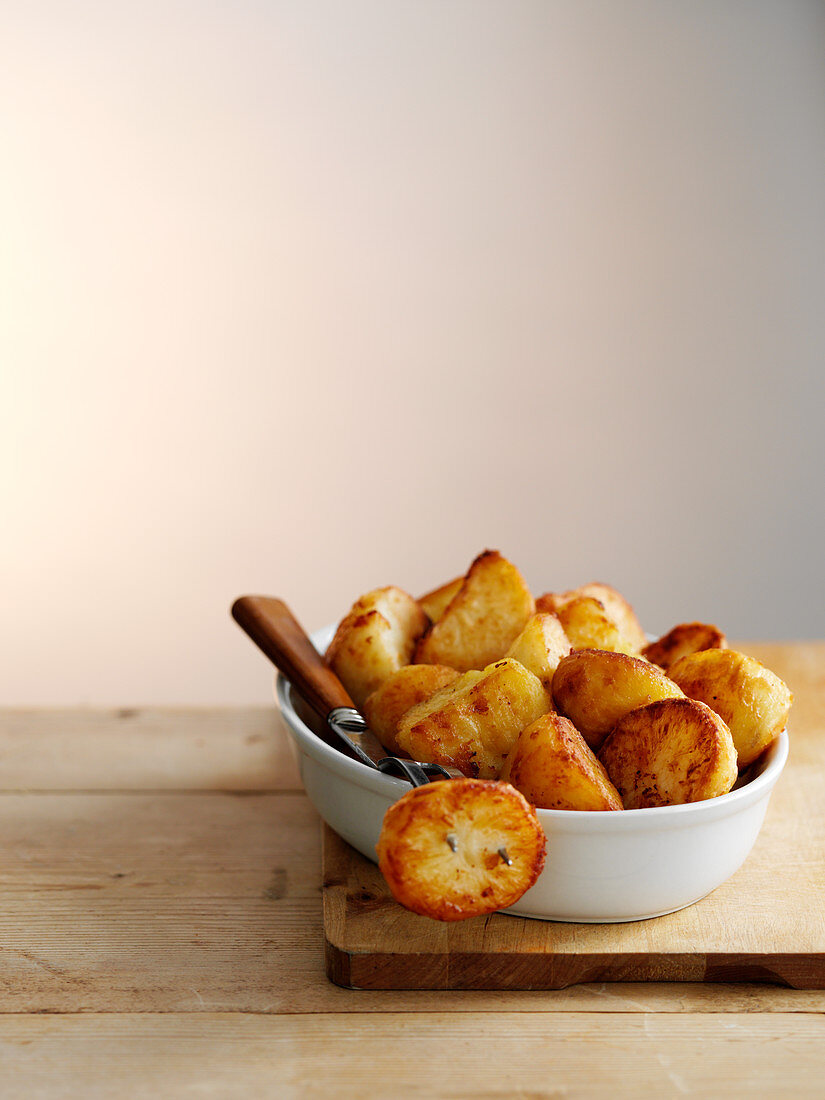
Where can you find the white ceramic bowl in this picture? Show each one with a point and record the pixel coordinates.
(601, 867)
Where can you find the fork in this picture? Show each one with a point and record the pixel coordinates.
(275, 630)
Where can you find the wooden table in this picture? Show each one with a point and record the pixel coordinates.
(161, 935)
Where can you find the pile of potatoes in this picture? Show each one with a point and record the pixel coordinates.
(561, 696)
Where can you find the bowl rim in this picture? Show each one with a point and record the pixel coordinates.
(684, 814)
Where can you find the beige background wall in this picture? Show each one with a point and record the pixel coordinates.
(303, 298)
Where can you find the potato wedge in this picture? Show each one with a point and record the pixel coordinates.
(615, 605)
(482, 620)
(540, 647)
(670, 752)
(683, 639)
(375, 639)
(460, 848)
(555, 769)
(472, 724)
(749, 697)
(435, 603)
(594, 689)
(588, 626)
(412, 684)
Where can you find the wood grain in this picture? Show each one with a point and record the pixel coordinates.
(161, 935)
(761, 925)
(471, 1056)
(146, 748)
(168, 902)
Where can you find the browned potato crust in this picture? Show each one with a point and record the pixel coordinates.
(408, 686)
(460, 848)
(594, 689)
(472, 724)
(482, 620)
(683, 639)
(435, 603)
(540, 647)
(670, 752)
(749, 697)
(553, 767)
(588, 626)
(374, 640)
(614, 603)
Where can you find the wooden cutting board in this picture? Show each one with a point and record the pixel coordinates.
(766, 924)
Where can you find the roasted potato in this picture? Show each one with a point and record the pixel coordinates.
(472, 724)
(670, 752)
(482, 620)
(594, 689)
(374, 640)
(615, 605)
(540, 647)
(749, 697)
(435, 603)
(681, 640)
(460, 848)
(554, 768)
(385, 707)
(588, 626)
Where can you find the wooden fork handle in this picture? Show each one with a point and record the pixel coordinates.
(275, 630)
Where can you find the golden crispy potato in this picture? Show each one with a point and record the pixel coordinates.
(540, 647)
(615, 605)
(435, 603)
(550, 602)
(681, 640)
(472, 724)
(670, 752)
(374, 640)
(460, 848)
(482, 620)
(594, 689)
(412, 684)
(553, 767)
(588, 626)
(749, 697)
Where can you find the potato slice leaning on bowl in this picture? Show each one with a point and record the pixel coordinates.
(460, 848)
